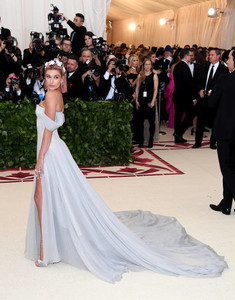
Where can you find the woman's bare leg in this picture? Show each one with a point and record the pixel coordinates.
(38, 201)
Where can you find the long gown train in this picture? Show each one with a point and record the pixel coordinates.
(78, 228)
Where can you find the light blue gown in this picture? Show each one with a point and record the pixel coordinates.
(78, 228)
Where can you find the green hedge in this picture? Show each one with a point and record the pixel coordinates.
(97, 133)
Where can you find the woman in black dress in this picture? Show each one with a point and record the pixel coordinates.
(146, 94)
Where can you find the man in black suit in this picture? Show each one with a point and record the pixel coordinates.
(207, 79)
(222, 97)
(74, 81)
(184, 96)
(77, 35)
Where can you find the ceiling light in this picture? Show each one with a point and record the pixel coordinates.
(214, 12)
(132, 26)
(162, 21)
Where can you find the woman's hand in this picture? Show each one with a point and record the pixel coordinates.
(137, 105)
(151, 105)
(39, 168)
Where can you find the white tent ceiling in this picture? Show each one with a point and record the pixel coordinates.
(123, 9)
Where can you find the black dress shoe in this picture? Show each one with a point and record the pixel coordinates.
(196, 145)
(212, 146)
(141, 145)
(219, 207)
(150, 144)
(179, 139)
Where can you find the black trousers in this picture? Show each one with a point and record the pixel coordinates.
(226, 155)
(150, 114)
(203, 113)
(182, 125)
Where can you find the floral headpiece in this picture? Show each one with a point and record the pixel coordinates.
(57, 62)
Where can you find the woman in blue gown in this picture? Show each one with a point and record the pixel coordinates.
(69, 222)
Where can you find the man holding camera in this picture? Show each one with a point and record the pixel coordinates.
(65, 50)
(10, 56)
(34, 82)
(114, 83)
(12, 88)
(90, 74)
(35, 50)
(77, 35)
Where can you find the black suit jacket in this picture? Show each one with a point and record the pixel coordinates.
(105, 85)
(184, 92)
(28, 57)
(223, 97)
(77, 37)
(74, 86)
(202, 76)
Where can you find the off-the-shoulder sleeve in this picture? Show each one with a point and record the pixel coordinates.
(53, 125)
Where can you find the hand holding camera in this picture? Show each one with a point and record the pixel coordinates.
(13, 81)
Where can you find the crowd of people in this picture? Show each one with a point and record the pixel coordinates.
(182, 78)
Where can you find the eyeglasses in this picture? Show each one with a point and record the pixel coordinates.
(66, 44)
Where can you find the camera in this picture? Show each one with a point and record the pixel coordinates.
(55, 21)
(96, 71)
(38, 46)
(14, 80)
(32, 72)
(100, 46)
(36, 35)
(10, 45)
(36, 98)
(37, 38)
(121, 64)
(97, 42)
(119, 97)
(53, 18)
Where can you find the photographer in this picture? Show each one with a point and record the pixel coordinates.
(12, 88)
(90, 74)
(52, 49)
(10, 56)
(114, 83)
(90, 42)
(66, 46)
(65, 50)
(34, 81)
(35, 50)
(77, 35)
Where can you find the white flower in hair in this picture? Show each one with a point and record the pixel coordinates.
(57, 62)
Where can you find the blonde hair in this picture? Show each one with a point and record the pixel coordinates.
(130, 60)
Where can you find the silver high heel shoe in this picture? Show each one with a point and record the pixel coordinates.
(40, 263)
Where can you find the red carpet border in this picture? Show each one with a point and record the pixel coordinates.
(146, 163)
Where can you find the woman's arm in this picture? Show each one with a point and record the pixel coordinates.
(155, 89)
(50, 111)
(137, 92)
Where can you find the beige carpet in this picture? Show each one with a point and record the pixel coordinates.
(185, 196)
